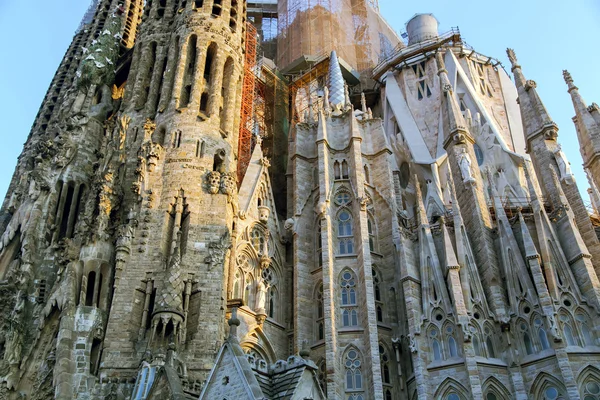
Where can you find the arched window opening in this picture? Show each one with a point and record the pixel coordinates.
(379, 303)
(344, 170)
(237, 284)
(272, 303)
(542, 335)
(528, 344)
(569, 338)
(95, 355)
(452, 347)
(591, 389)
(336, 170)
(490, 347)
(227, 93)
(367, 177)
(345, 236)
(248, 295)
(437, 351)
(477, 346)
(161, 82)
(217, 7)
(198, 4)
(349, 313)
(553, 393)
(160, 11)
(188, 76)
(586, 332)
(320, 314)
(89, 292)
(159, 135)
(371, 231)
(204, 103)
(147, 74)
(257, 238)
(319, 244)
(354, 380)
(385, 365)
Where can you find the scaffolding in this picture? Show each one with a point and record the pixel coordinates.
(353, 28)
(247, 111)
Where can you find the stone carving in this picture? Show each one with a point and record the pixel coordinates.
(320, 209)
(152, 152)
(289, 224)
(140, 176)
(564, 166)
(149, 128)
(412, 343)
(214, 182)
(464, 162)
(530, 84)
(263, 214)
(228, 183)
(217, 251)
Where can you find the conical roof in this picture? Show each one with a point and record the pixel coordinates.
(335, 82)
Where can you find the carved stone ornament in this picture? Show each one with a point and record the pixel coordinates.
(265, 162)
(460, 138)
(412, 343)
(593, 107)
(289, 224)
(149, 128)
(464, 163)
(228, 183)
(530, 84)
(320, 209)
(364, 202)
(564, 166)
(551, 134)
(217, 251)
(214, 182)
(263, 214)
(152, 151)
(265, 262)
(447, 87)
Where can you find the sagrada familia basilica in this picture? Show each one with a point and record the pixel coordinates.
(222, 199)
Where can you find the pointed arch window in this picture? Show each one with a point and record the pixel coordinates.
(345, 169)
(258, 240)
(144, 382)
(336, 170)
(349, 313)
(542, 335)
(452, 346)
(477, 345)
(524, 329)
(553, 393)
(319, 314)
(591, 389)
(386, 375)
(371, 230)
(377, 292)
(584, 326)
(434, 336)
(484, 86)
(238, 284)
(322, 375)
(345, 235)
(319, 243)
(354, 378)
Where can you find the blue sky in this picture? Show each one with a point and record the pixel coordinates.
(547, 35)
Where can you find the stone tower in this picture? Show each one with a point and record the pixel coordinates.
(434, 246)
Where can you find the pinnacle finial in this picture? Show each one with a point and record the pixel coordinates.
(567, 76)
(512, 57)
(233, 322)
(336, 83)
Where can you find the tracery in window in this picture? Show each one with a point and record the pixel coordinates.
(345, 236)
(385, 365)
(379, 303)
(319, 314)
(322, 375)
(348, 292)
(354, 380)
(257, 238)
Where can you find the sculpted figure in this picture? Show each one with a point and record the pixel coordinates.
(564, 166)
(464, 162)
(261, 295)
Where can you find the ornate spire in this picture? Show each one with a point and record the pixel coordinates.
(335, 83)
(455, 125)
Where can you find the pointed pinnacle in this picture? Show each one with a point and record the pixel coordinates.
(512, 57)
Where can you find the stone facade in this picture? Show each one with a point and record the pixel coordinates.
(434, 245)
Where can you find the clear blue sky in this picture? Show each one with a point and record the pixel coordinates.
(548, 36)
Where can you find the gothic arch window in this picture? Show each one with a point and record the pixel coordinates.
(372, 232)
(257, 238)
(353, 374)
(384, 358)
(541, 333)
(345, 232)
(449, 333)
(348, 293)
(227, 93)
(322, 375)
(488, 333)
(451, 390)
(249, 291)
(493, 389)
(583, 323)
(319, 313)
(345, 169)
(525, 334)
(477, 345)
(336, 170)
(209, 66)
(189, 72)
(589, 383)
(436, 347)
(238, 284)
(569, 333)
(546, 387)
(272, 304)
(378, 294)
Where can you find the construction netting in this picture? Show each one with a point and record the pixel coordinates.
(353, 28)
